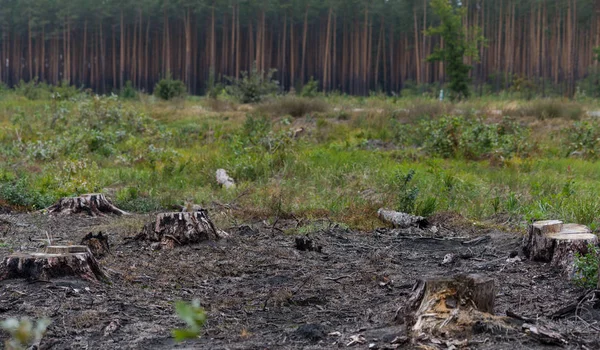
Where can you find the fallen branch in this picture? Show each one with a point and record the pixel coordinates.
(401, 220)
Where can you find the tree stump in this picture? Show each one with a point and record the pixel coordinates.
(55, 262)
(555, 242)
(181, 228)
(97, 243)
(94, 204)
(451, 307)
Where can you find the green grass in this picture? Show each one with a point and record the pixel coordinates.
(149, 154)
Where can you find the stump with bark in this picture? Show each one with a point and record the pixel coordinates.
(451, 308)
(97, 243)
(172, 229)
(95, 204)
(555, 242)
(54, 262)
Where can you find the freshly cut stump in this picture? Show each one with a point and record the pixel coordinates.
(181, 228)
(451, 308)
(55, 262)
(95, 204)
(555, 242)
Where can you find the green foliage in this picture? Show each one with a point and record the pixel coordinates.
(169, 88)
(214, 87)
(470, 138)
(20, 192)
(33, 89)
(310, 89)
(583, 139)
(253, 86)
(407, 193)
(596, 51)
(64, 91)
(128, 92)
(586, 267)
(459, 44)
(193, 315)
(23, 332)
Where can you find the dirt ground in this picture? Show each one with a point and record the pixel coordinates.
(260, 292)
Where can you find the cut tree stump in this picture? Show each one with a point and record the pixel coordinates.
(451, 308)
(555, 242)
(401, 220)
(180, 228)
(54, 262)
(98, 244)
(94, 204)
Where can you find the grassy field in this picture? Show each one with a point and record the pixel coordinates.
(494, 161)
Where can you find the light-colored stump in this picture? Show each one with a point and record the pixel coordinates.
(180, 228)
(451, 308)
(555, 242)
(55, 262)
(399, 219)
(94, 204)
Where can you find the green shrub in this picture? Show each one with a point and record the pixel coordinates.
(583, 139)
(586, 267)
(169, 88)
(128, 92)
(253, 86)
(407, 193)
(21, 193)
(194, 316)
(33, 90)
(64, 91)
(294, 106)
(470, 138)
(310, 89)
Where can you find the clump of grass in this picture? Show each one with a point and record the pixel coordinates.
(583, 139)
(543, 109)
(293, 105)
(423, 108)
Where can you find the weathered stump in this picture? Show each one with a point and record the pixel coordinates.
(94, 204)
(401, 220)
(55, 262)
(97, 243)
(180, 228)
(555, 242)
(450, 308)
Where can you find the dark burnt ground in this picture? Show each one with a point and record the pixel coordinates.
(261, 292)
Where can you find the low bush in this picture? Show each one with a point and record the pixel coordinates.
(128, 92)
(583, 139)
(253, 86)
(294, 106)
(470, 138)
(33, 89)
(310, 89)
(169, 88)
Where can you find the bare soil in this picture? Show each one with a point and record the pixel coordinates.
(261, 292)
